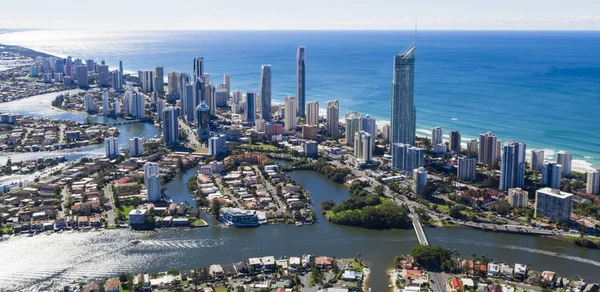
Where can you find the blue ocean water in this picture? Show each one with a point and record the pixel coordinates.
(540, 87)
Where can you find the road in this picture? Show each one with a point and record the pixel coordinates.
(226, 192)
(280, 204)
(438, 281)
(65, 196)
(191, 134)
(110, 207)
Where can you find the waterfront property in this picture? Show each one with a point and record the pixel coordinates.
(236, 217)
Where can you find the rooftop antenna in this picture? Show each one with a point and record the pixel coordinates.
(415, 40)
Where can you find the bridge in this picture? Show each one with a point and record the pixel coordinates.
(125, 122)
(421, 236)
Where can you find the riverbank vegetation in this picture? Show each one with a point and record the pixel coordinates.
(336, 174)
(367, 210)
(432, 258)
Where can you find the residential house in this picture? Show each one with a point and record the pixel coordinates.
(229, 271)
(112, 285)
(324, 263)
(216, 271)
(241, 268)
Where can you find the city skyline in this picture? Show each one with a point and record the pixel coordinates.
(273, 15)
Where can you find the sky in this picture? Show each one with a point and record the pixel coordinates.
(301, 14)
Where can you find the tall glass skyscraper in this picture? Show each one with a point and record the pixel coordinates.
(301, 80)
(404, 114)
(265, 92)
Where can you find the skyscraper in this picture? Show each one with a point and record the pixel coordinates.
(210, 99)
(116, 80)
(250, 109)
(184, 80)
(152, 181)
(147, 80)
(121, 70)
(517, 198)
(312, 113)
(437, 135)
(111, 147)
(368, 124)
(103, 77)
(363, 146)
(82, 77)
(554, 204)
(69, 67)
(226, 83)
(138, 105)
(265, 92)
(487, 149)
(159, 79)
(89, 104)
(420, 181)
(467, 167)
(352, 126)
(564, 158)
(188, 103)
(454, 145)
(105, 104)
(333, 116)
(406, 158)
(301, 80)
(173, 84)
(593, 182)
(136, 146)
(512, 167)
(203, 114)
(199, 67)
(385, 133)
(403, 112)
(551, 174)
(170, 126)
(537, 159)
(290, 113)
(472, 148)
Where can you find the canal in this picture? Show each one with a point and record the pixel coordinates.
(45, 261)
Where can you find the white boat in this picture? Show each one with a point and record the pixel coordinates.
(298, 223)
(134, 242)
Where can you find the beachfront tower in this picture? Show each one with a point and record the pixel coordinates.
(265, 92)
(403, 116)
(301, 80)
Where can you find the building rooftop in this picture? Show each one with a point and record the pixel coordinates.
(555, 193)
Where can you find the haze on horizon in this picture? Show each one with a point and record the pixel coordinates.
(301, 15)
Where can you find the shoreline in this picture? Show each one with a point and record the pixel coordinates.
(581, 162)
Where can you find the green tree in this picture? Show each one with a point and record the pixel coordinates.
(215, 207)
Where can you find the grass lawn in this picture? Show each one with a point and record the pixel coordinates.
(199, 223)
(386, 200)
(201, 150)
(356, 264)
(449, 224)
(270, 220)
(265, 147)
(220, 289)
(124, 210)
(7, 229)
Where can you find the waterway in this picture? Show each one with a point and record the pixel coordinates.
(41, 106)
(43, 261)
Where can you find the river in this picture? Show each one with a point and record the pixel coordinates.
(43, 261)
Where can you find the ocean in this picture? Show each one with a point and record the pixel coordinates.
(540, 87)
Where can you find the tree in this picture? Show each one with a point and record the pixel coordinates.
(215, 207)
(327, 205)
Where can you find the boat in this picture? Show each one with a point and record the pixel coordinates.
(298, 223)
(30, 235)
(134, 242)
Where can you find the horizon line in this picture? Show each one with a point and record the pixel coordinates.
(13, 30)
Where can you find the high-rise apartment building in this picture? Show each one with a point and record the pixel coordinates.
(363, 147)
(467, 168)
(170, 126)
(517, 198)
(564, 158)
(301, 80)
(487, 153)
(454, 143)
(420, 181)
(551, 174)
(111, 147)
(250, 108)
(537, 159)
(265, 92)
(203, 114)
(290, 113)
(136, 146)
(312, 113)
(333, 116)
(352, 126)
(593, 182)
(512, 167)
(407, 158)
(173, 84)
(403, 112)
(553, 204)
(437, 135)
